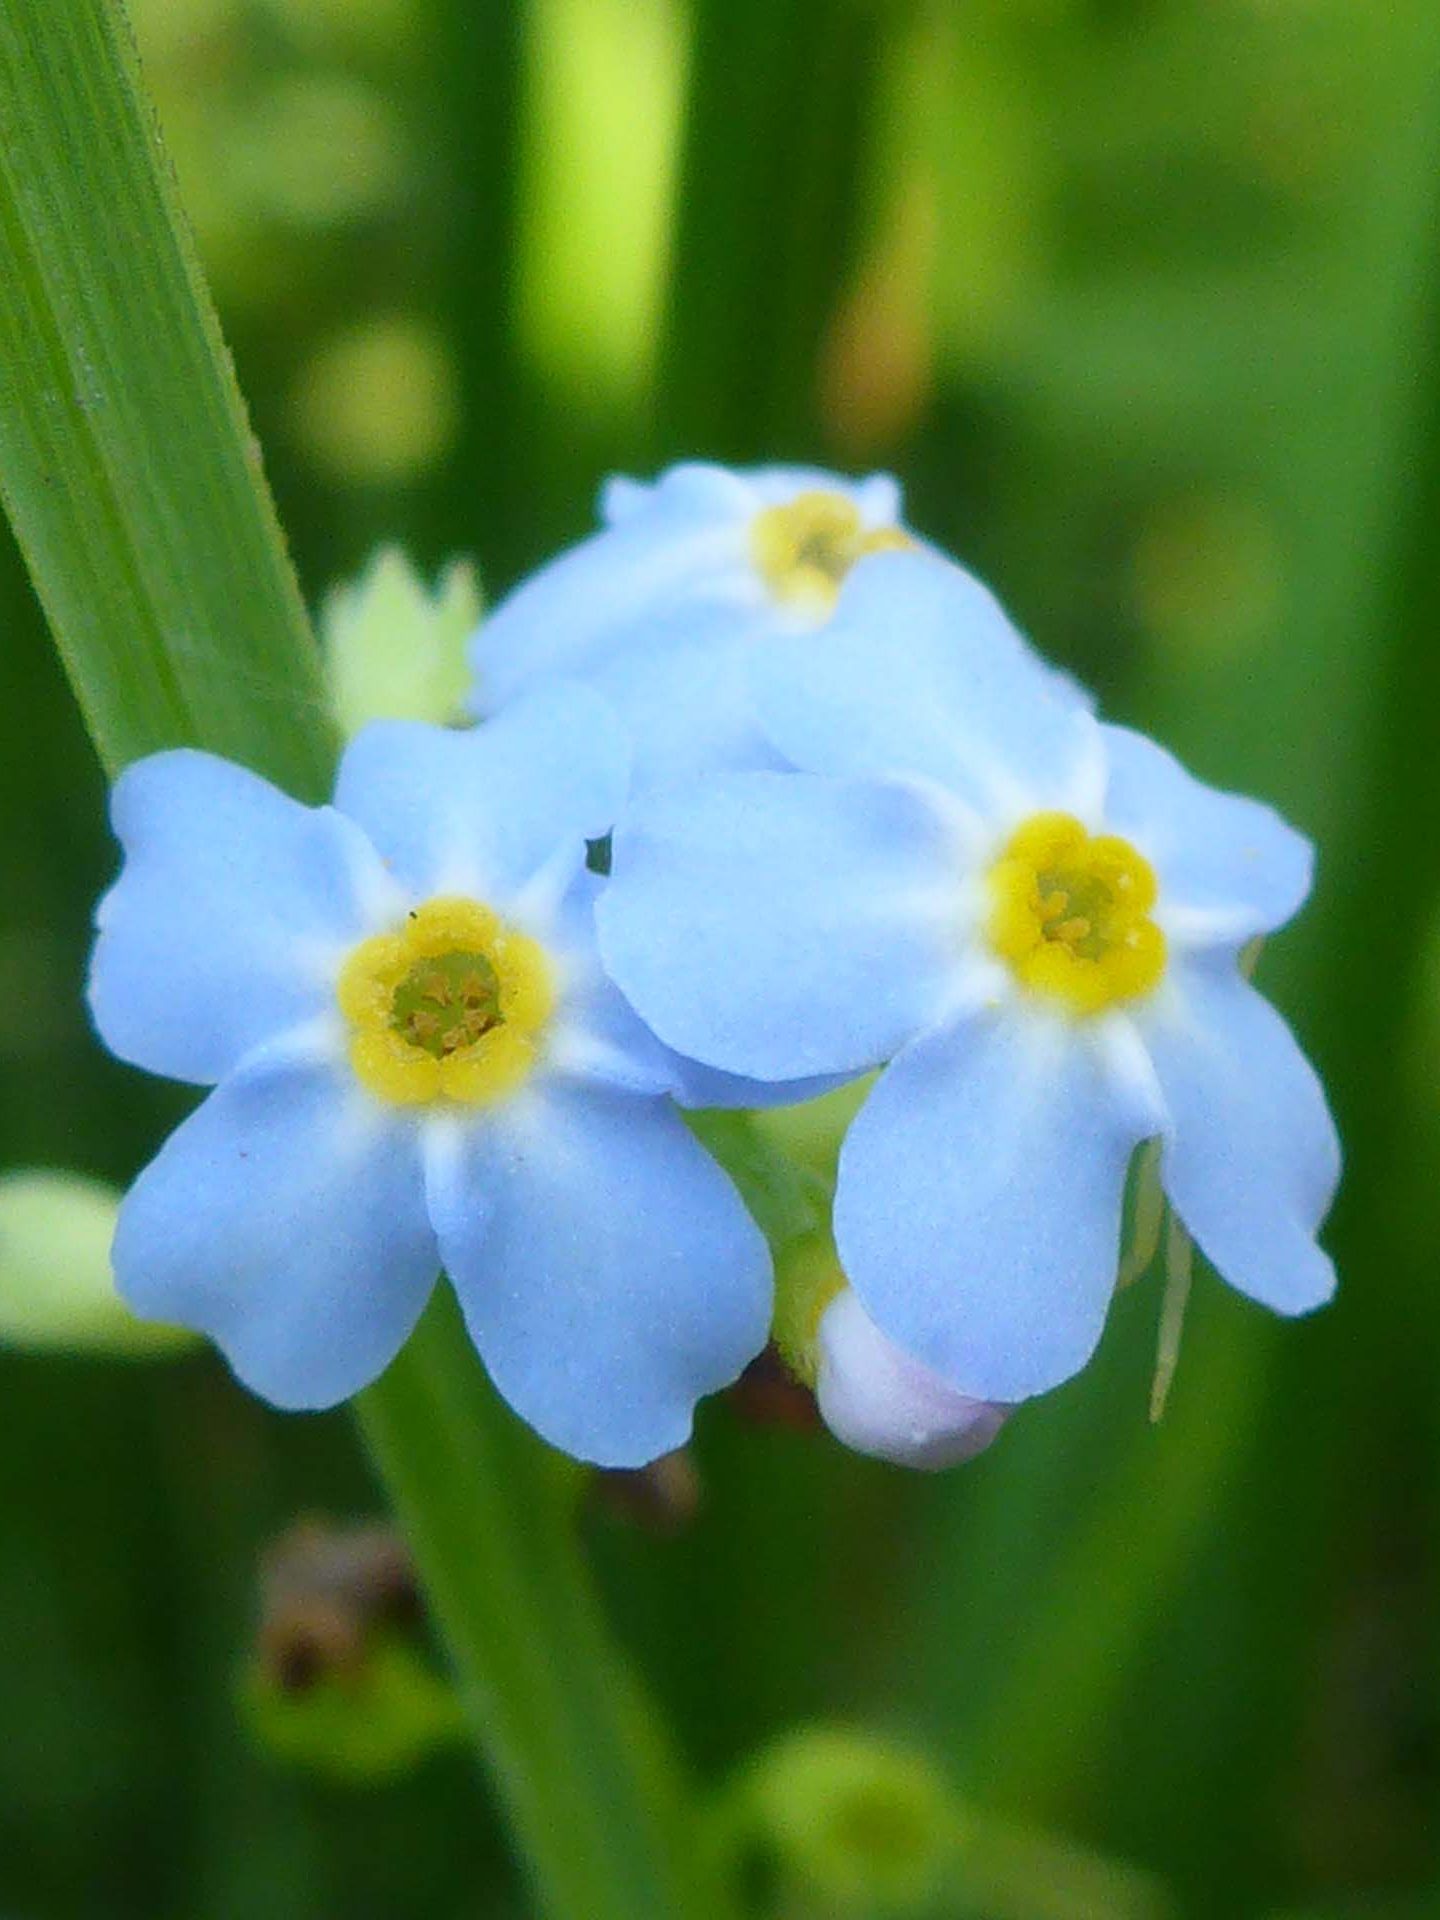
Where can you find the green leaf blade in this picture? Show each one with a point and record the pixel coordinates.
(129, 470)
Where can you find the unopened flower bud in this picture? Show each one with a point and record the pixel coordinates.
(57, 1291)
(880, 1401)
(394, 647)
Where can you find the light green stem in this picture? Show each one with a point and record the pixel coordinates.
(490, 1519)
(136, 492)
(1179, 1267)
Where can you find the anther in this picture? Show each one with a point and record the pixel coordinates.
(1070, 914)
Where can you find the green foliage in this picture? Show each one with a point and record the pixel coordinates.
(57, 1293)
(361, 1728)
(126, 462)
(789, 1202)
(565, 1726)
(851, 1823)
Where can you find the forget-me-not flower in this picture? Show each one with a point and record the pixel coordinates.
(663, 610)
(416, 1060)
(1036, 920)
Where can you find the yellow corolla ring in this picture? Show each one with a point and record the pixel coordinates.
(1070, 914)
(451, 1006)
(804, 549)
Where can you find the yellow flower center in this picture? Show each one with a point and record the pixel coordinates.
(805, 548)
(452, 1007)
(1070, 914)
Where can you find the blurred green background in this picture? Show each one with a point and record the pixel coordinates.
(1140, 299)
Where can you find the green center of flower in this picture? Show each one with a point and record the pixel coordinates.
(446, 1003)
(1070, 914)
(452, 1005)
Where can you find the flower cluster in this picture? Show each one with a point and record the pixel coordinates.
(854, 822)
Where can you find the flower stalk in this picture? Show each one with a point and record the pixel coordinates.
(134, 487)
(489, 1516)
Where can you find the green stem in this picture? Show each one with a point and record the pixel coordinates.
(137, 495)
(490, 1517)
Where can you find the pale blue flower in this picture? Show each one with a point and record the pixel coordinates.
(665, 609)
(1037, 921)
(416, 1061)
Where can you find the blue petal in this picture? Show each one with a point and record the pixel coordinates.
(978, 1207)
(1229, 867)
(597, 1035)
(482, 812)
(696, 1086)
(781, 926)
(682, 688)
(232, 911)
(877, 496)
(285, 1219)
(698, 487)
(922, 673)
(608, 1272)
(692, 489)
(1253, 1159)
(570, 616)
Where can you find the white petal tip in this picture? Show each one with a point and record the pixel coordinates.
(879, 1401)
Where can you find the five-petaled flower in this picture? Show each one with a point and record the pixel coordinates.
(417, 1060)
(1036, 920)
(663, 610)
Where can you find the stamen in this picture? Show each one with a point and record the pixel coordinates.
(1071, 914)
(805, 548)
(452, 1006)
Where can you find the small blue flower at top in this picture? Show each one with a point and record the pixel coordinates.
(417, 1060)
(1038, 921)
(664, 610)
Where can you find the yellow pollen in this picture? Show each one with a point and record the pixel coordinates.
(805, 548)
(453, 1006)
(1070, 914)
